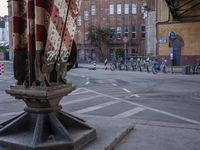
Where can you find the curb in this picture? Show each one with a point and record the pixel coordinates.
(119, 138)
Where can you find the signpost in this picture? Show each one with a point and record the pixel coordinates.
(125, 39)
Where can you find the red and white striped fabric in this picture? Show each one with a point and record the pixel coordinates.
(47, 26)
(2, 69)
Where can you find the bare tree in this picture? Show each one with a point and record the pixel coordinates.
(101, 38)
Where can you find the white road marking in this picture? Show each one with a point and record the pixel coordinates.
(149, 108)
(114, 84)
(129, 112)
(80, 100)
(92, 108)
(126, 90)
(10, 114)
(77, 93)
(87, 83)
(134, 95)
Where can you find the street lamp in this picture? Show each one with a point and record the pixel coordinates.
(125, 40)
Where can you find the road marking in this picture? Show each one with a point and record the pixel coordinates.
(126, 90)
(80, 100)
(134, 95)
(92, 108)
(10, 114)
(129, 113)
(77, 93)
(114, 84)
(87, 83)
(149, 108)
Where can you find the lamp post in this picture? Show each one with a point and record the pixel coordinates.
(125, 40)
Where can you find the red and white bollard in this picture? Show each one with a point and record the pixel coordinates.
(2, 69)
(94, 65)
(105, 63)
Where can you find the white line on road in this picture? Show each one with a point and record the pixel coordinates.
(77, 93)
(80, 100)
(134, 95)
(10, 114)
(92, 108)
(126, 90)
(87, 83)
(114, 84)
(149, 108)
(129, 113)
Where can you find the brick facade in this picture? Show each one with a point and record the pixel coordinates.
(135, 46)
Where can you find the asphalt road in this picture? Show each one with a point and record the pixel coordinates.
(170, 98)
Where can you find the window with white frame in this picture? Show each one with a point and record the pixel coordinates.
(143, 32)
(133, 33)
(143, 8)
(86, 36)
(79, 21)
(119, 9)
(86, 15)
(93, 10)
(111, 9)
(134, 9)
(126, 9)
(126, 31)
(119, 32)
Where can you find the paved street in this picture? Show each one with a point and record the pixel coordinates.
(171, 100)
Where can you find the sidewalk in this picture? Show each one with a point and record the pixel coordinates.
(176, 69)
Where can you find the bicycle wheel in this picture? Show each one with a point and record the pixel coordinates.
(154, 70)
(164, 69)
(197, 69)
(112, 67)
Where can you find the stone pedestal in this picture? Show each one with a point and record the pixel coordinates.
(43, 126)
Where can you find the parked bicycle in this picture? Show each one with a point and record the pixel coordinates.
(196, 67)
(159, 67)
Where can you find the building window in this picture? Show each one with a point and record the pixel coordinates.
(93, 10)
(143, 32)
(134, 9)
(133, 34)
(111, 9)
(79, 21)
(86, 15)
(86, 36)
(119, 32)
(119, 9)
(112, 32)
(126, 31)
(126, 9)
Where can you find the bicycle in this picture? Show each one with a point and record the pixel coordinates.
(159, 67)
(196, 67)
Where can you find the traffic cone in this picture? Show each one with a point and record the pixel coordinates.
(94, 65)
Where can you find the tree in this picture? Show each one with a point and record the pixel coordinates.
(101, 38)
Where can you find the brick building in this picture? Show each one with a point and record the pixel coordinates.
(124, 17)
(183, 18)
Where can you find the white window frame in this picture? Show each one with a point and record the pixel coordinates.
(111, 9)
(86, 15)
(119, 32)
(86, 34)
(79, 20)
(126, 9)
(126, 32)
(93, 10)
(133, 32)
(134, 9)
(119, 9)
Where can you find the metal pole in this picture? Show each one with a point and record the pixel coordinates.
(125, 55)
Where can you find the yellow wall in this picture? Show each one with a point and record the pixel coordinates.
(190, 33)
(162, 11)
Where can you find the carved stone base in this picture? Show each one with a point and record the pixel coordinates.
(43, 126)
